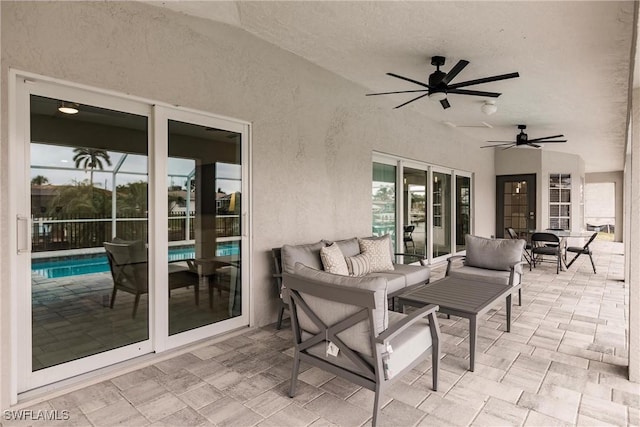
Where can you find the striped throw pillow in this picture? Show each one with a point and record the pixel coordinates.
(358, 265)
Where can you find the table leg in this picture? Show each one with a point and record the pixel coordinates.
(473, 332)
(509, 313)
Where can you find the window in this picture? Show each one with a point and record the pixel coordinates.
(559, 201)
(384, 200)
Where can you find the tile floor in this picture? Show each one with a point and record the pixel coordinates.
(562, 364)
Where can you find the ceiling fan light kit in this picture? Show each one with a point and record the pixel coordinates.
(439, 86)
(489, 107)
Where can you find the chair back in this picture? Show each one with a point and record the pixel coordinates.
(591, 239)
(511, 233)
(128, 265)
(408, 229)
(540, 239)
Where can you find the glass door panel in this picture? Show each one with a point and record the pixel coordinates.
(415, 211)
(204, 190)
(463, 210)
(441, 208)
(89, 216)
(384, 200)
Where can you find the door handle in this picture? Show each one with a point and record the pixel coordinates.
(24, 248)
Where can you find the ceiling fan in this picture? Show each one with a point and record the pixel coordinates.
(438, 86)
(523, 139)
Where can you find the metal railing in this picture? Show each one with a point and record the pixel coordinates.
(76, 232)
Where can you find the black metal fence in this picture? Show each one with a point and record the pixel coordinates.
(76, 232)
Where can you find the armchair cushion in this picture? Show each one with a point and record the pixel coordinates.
(407, 346)
(482, 275)
(493, 254)
(357, 337)
(333, 261)
(308, 255)
(413, 274)
(379, 253)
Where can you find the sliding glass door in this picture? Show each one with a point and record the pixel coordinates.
(135, 236)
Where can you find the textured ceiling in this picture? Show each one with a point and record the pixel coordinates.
(573, 58)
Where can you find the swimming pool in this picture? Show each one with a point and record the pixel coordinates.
(53, 268)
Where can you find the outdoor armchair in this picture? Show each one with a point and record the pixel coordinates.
(342, 325)
(489, 260)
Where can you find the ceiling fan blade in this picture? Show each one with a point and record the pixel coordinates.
(506, 148)
(546, 137)
(445, 103)
(544, 142)
(454, 71)
(408, 79)
(485, 80)
(408, 102)
(533, 145)
(497, 145)
(474, 92)
(401, 91)
(505, 142)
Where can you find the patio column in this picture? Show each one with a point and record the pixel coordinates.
(633, 240)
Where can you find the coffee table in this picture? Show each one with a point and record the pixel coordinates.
(462, 298)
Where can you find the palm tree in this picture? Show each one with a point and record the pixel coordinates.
(91, 158)
(39, 180)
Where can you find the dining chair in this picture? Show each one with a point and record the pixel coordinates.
(408, 237)
(583, 250)
(546, 244)
(527, 248)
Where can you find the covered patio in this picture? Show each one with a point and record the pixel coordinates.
(564, 363)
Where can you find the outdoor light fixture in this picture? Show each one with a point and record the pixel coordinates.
(489, 107)
(437, 96)
(68, 107)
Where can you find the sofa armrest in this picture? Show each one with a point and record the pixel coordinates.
(397, 328)
(450, 261)
(513, 269)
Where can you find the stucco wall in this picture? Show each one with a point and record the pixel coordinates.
(312, 132)
(632, 240)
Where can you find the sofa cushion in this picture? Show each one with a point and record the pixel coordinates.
(414, 274)
(483, 275)
(357, 337)
(395, 282)
(386, 237)
(494, 254)
(308, 255)
(333, 260)
(349, 247)
(378, 252)
(358, 265)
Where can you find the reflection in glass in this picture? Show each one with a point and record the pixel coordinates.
(204, 198)
(88, 188)
(415, 211)
(441, 186)
(383, 193)
(463, 210)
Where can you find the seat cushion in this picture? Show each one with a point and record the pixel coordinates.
(483, 275)
(414, 274)
(395, 282)
(408, 346)
(308, 255)
(546, 250)
(494, 254)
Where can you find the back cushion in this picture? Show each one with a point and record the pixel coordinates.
(349, 247)
(357, 337)
(493, 254)
(308, 255)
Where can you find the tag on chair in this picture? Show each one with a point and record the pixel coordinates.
(332, 349)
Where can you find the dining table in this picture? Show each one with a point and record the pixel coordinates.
(564, 235)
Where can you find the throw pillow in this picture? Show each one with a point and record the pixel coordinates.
(378, 253)
(333, 260)
(358, 265)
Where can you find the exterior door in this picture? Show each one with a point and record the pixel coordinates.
(516, 204)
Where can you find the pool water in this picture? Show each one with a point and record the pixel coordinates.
(53, 268)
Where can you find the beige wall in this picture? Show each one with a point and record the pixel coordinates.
(632, 239)
(542, 163)
(313, 133)
(617, 178)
